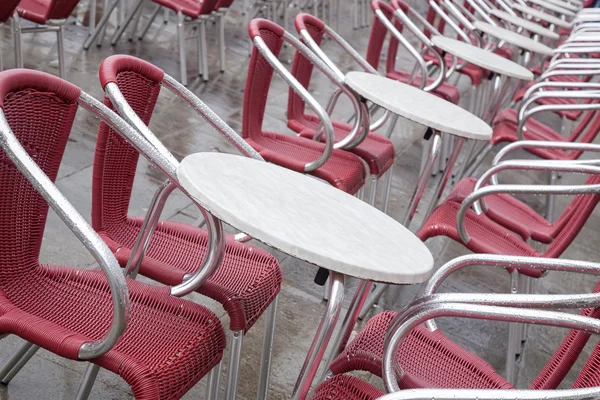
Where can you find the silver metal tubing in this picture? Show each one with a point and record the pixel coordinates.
(15, 370)
(83, 231)
(435, 144)
(492, 394)
(148, 24)
(341, 339)
(85, 387)
(513, 344)
(99, 28)
(209, 115)
(135, 25)
(60, 47)
(233, 367)
(14, 359)
(551, 200)
(92, 7)
(267, 353)
(202, 49)
(117, 35)
(322, 336)
(181, 43)
(220, 15)
(214, 382)
(16, 25)
(373, 190)
(388, 186)
(373, 300)
(392, 126)
(418, 313)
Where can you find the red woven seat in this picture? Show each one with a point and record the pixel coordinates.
(346, 387)
(342, 169)
(248, 278)
(40, 11)
(169, 344)
(428, 359)
(505, 52)
(505, 130)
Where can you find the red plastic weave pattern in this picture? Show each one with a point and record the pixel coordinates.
(247, 280)
(429, 359)
(343, 170)
(169, 344)
(346, 387)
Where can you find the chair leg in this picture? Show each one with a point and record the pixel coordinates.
(92, 24)
(21, 363)
(202, 50)
(149, 23)
(105, 17)
(60, 42)
(373, 190)
(1, 38)
(134, 28)
(514, 341)
(233, 368)
(388, 186)
(267, 353)
(393, 122)
(16, 21)
(13, 359)
(370, 303)
(221, 28)
(87, 383)
(214, 383)
(181, 40)
(551, 200)
(355, 14)
(124, 25)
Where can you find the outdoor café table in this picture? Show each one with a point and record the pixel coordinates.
(547, 5)
(309, 220)
(437, 115)
(526, 24)
(542, 16)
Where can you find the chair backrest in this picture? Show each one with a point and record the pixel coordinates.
(7, 9)
(60, 9)
(115, 160)
(378, 35)
(208, 6)
(260, 73)
(40, 110)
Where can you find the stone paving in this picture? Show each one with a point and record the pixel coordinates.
(183, 132)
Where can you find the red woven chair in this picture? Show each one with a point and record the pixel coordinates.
(248, 279)
(169, 343)
(430, 360)
(340, 168)
(376, 150)
(50, 16)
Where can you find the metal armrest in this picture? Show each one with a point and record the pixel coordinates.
(263, 49)
(487, 394)
(168, 165)
(83, 231)
(482, 11)
(423, 310)
(539, 86)
(519, 189)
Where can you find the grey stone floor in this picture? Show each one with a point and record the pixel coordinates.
(300, 307)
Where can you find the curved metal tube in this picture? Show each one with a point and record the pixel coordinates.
(211, 117)
(416, 314)
(83, 231)
(572, 301)
(556, 84)
(490, 394)
(588, 167)
(517, 189)
(263, 49)
(522, 144)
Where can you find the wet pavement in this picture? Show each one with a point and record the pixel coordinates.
(183, 132)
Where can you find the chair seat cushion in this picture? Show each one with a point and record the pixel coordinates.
(346, 387)
(509, 212)
(189, 8)
(246, 282)
(169, 344)
(376, 150)
(342, 169)
(34, 10)
(446, 91)
(429, 359)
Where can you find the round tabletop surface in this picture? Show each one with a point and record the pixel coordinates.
(567, 5)
(551, 19)
(514, 38)
(418, 106)
(531, 26)
(482, 58)
(552, 7)
(305, 218)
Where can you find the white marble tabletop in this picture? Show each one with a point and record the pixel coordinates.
(526, 24)
(418, 106)
(514, 38)
(482, 58)
(551, 19)
(552, 7)
(305, 218)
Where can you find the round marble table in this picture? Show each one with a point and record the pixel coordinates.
(482, 58)
(551, 19)
(514, 38)
(552, 7)
(526, 24)
(310, 220)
